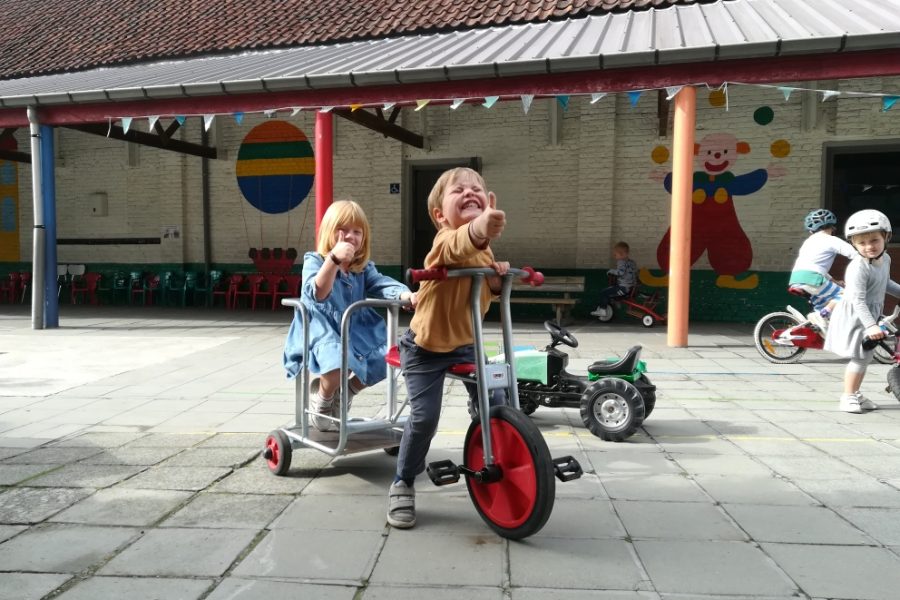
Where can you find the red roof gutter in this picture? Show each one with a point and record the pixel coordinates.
(849, 65)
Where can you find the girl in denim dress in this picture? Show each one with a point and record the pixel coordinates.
(335, 276)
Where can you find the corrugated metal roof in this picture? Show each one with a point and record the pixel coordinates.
(678, 34)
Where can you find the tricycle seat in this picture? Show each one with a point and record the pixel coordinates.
(392, 358)
(626, 365)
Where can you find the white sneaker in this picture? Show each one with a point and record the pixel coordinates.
(865, 403)
(401, 505)
(818, 320)
(320, 408)
(598, 312)
(850, 403)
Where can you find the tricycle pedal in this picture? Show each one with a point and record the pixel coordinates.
(567, 468)
(443, 472)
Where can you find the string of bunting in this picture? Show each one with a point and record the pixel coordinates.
(564, 100)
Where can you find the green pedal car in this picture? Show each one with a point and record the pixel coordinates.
(615, 397)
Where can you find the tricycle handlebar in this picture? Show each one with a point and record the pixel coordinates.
(526, 274)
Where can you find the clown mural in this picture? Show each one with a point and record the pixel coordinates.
(715, 228)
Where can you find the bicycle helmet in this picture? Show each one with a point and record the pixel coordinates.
(819, 219)
(865, 221)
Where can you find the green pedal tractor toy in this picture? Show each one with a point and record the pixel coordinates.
(615, 397)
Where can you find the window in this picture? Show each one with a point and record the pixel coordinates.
(863, 176)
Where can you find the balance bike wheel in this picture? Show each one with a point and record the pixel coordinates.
(278, 452)
(649, 398)
(520, 503)
(893, 379)
(612, 409)
(883, 356)
(762, 338)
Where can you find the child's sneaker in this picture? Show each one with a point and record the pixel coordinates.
(865, 403)
(850, 403)
(818, 320)
(321, 409)
(601, 312)
(401, 505)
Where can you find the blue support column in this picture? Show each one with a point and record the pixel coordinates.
(48, 189)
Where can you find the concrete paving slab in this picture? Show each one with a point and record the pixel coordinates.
(135, 588)
(13, 474)
(29, 586)
(63, 548)
(32, 505)
(696, 464)
(855, 491)
(235, 588)
(176, 478)
(882, 524)
(170, 440)
(705, 567)
(347, 513)
(228, 511)
(131, 455)
(213, 457)
(315, 556)
(51, 456)
(834, 571)
(796, 525)
(539, 594)
(653, 487)
(85, 476)
(233, 440)
(181, 553)
(99, 440)
(8, 531)
(120, 506)
(445, 560)
(255, 478)
(727, 489)
(677, 520)
(452, 592)
(605, 463)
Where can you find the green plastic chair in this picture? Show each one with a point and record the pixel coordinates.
(172, 289)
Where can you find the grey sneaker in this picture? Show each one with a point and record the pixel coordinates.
(850, 403)
(320, 407)
(401, 505)
(865, 403)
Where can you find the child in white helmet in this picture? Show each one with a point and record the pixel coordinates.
(814, 260)
(855, 317)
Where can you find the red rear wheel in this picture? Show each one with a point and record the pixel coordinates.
(278, 452)
(520, 503)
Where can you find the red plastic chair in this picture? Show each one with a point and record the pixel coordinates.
(289, 288)
(24, 286)
(151, 287)
(218, 285)
(237, 287)
(86, 285)
(9, 288)
(263, 285)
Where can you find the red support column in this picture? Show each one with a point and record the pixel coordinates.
(680, 239)
(324, 164)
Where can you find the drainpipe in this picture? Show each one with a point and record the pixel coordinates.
(682, 202)
(48, 179)
(37, 253)
(324, 164)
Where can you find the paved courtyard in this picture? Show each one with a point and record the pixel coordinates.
(130, 467)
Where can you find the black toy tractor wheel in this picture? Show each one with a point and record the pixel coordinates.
(893, 379)
(612, 409)
(649, 397)
(278, 452)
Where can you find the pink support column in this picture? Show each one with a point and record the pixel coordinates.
(324, 164)
(680, 239)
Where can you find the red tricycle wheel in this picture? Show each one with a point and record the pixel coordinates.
(278, 452)
(520, 503)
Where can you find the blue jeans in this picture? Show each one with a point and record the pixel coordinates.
(424, 372)
(613, 291)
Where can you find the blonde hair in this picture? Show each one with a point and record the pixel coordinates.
(341, 214)
(436, 197)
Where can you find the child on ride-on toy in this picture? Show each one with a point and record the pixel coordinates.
(855, 317)
(814, 260)
(626, 277)
(335, 276)
(440, 334)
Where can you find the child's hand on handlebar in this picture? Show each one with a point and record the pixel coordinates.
(502, 267)
(875, 332)
(412, 297)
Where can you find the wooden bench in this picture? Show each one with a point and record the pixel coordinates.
(562, 287)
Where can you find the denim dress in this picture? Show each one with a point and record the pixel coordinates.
(368, 334)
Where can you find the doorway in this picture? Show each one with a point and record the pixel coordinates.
(422, 175)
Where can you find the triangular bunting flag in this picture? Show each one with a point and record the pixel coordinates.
(207, 121)
(181, 119)
(526, 102)
(126, 124)
(389, 105)
(597, 97)
(238, 117)
(326, 109)
(827, 94)
(355, 107)
(787, 92)
(887, 102)
(269, 113)
(109, 131)
(151, 122)
(457, 102)
(420, 104)
(489, 101)
(672, 91)
(295, 110)
(633, 97)
(564, 102)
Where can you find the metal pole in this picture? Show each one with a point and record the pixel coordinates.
(48, 180)
(37, 254)
(324, 164)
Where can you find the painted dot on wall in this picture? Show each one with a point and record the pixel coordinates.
(7, 214)
(763, 115)
(780, 148)
(717, 98)
(660, 155)
(275, 167)
(7, 173)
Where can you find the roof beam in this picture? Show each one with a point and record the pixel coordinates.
(383, 126)
(147, 139)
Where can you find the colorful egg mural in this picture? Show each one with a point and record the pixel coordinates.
(275, 167)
